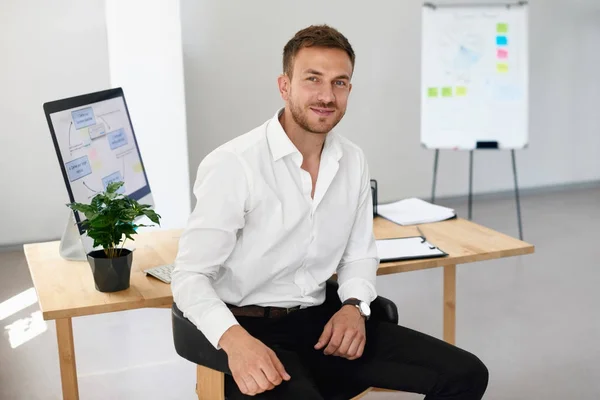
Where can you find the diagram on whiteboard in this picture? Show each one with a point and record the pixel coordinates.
(460, 54)
(474, 77)
(97, 148)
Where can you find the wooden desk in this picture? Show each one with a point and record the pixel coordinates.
(66, 289)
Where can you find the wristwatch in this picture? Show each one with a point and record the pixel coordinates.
(363, 307)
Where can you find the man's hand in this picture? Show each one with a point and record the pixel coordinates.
(254, 366)
(344, 334)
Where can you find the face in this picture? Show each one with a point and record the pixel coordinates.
(317, 93)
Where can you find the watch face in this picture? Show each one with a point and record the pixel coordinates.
(365, 309)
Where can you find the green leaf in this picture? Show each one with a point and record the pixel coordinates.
(153, 216)
(125, 229)
(83, 208)
(102, 221)
(112, 188)
(98, 203)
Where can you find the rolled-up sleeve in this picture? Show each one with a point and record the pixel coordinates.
(222, 193)
(357, 270)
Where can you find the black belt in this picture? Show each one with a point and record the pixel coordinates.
(265, 312)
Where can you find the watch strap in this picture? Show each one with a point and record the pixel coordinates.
(354, 302)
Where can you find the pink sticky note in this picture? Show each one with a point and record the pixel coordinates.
(93, 154)
(503, 54)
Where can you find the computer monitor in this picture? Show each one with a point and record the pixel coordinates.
(95, 144)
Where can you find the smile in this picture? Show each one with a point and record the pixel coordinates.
(323, 112)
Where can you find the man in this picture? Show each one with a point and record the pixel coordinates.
(279, 211)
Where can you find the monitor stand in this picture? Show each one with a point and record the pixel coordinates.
(75, 246)
(72, 244)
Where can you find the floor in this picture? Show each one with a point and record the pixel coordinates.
(533, 320)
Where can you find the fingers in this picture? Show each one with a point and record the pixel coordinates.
(251, 385)
(254, 382)
(255, 367)
(325, 336)
(361, 349)
(262, 381)
(353, 349)
(241, 383)
(272, 375)
(336, 340)
(348, 339)
(279, 368)
(269, 373)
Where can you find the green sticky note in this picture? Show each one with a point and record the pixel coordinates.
(502, 68)
(461, 91)
(432, 92)
(447, 92)
(502, 28)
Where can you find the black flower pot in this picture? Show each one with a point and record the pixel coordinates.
(111, 274)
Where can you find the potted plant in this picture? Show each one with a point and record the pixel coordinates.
(110, 222)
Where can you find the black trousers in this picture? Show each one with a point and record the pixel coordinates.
(395, 357)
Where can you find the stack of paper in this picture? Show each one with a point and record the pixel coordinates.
(414, 211)
(410, 248)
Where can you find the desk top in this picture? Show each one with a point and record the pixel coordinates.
(66, 288)
(464, 241)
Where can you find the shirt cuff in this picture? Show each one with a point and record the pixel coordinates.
(357, 288)
(214, 323)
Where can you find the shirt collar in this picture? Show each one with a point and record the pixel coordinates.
(279, 142)
(281, 145)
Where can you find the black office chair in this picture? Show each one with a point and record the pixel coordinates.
(212, 364)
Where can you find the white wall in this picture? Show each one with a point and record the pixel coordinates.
(48, 51)
(232, 56)
(233, 49)
(52, 50)
(145, 57)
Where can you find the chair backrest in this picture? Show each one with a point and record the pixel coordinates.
(191, 344)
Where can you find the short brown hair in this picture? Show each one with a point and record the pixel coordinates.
(315, 35)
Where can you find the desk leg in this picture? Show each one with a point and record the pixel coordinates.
(66, 355)
(450, 304)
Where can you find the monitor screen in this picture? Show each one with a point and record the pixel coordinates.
(96, 145)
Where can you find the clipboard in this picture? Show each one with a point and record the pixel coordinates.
(407, 248)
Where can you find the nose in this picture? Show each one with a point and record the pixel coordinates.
(326, 95)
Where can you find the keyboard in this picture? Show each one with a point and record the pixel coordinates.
(162, 272)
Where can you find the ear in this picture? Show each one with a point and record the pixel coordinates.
(349, 88)
(283, 82)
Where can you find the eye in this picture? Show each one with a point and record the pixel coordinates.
(312, 78)
(340, 83)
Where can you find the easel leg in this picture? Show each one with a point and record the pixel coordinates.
(514, 164)
(435, 169)
(470, 184)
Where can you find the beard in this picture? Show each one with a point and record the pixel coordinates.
(300, 117)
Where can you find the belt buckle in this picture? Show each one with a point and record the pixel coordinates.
(268, 310)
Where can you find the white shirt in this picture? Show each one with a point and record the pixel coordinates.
(257, 237)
